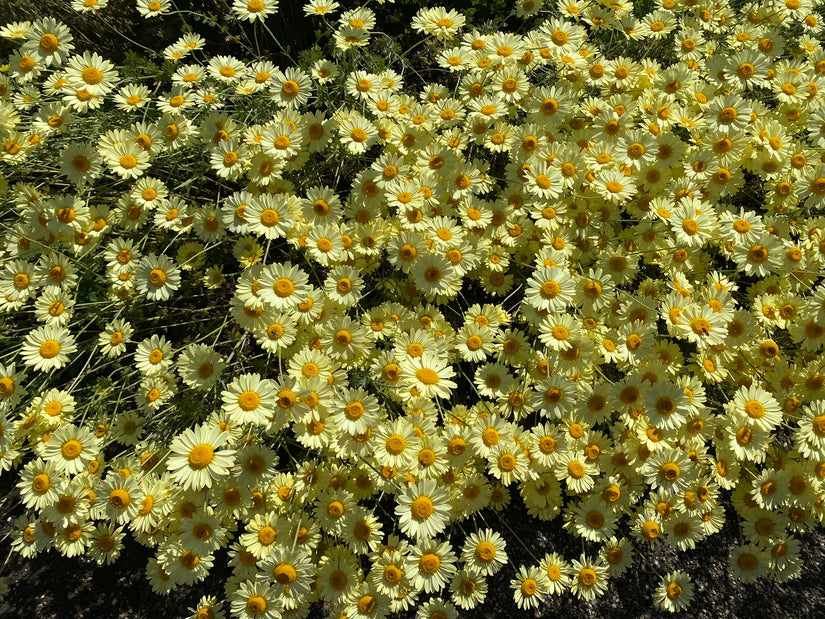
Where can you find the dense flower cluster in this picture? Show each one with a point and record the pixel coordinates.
(314, 322)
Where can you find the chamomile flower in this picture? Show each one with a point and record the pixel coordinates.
(356, 134)
(428, 375)
(17, 280)
(48, 348)
(675, 591)
(324, 244)
(106, 543)
(202, 533)
(591, 521)
(748, 563)
(529, 587)
(755, 406)
(747, 69)
(126, 159)
(550, 289)
(80, 163)
(508, 462)
(283, 286)
(73, 539)
(249, 399)
(290, 570)
(153, 8)
(92, 73)
(123, 497)
(438, 22)
(157, 277)
(557, 571)
(430, 565)
(576, 471)
(544, 181)
(153, 356)
(344, 286)
(670, 472)
(666, 405)
(396, 443)
(196, 460)
(70, 448)
(320, 7)
(268, 216)
(113, 339)
(484, 552)
(251, 10)
(50, 39)
(809, 435)
(423, 510)
(210, 606)
(39, 483)
(589, 578)
(200, 366)
(613, 186)
(132, 97)
(291, 88)
(54, 306)
(469, 589)
(728, 113)
(356, 410)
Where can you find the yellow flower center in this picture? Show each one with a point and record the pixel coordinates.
(255, 6)
(665, 405)
(49, 349)
(727, 115)
(127, 162)
(290, 89)
(427, 376)
(21, 281)
(256, 604)
(335, 509)
(41, 483)
(248, 400)
(157, 278)
(745, 71)
(49, 43)
(92, 75)
(283, 287)
(575, 470)
(650, 530)
(396, 444)
(422, 508)
(613, 186)
(344, 285)
(201, 456)
(119, 498)
(429, 563)
(529, 586)
(474, 342)
(71, 449)
(507, 463)
(543, 181)
(270, 217)
(669, 471)
(285, 574)
(754, 409)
